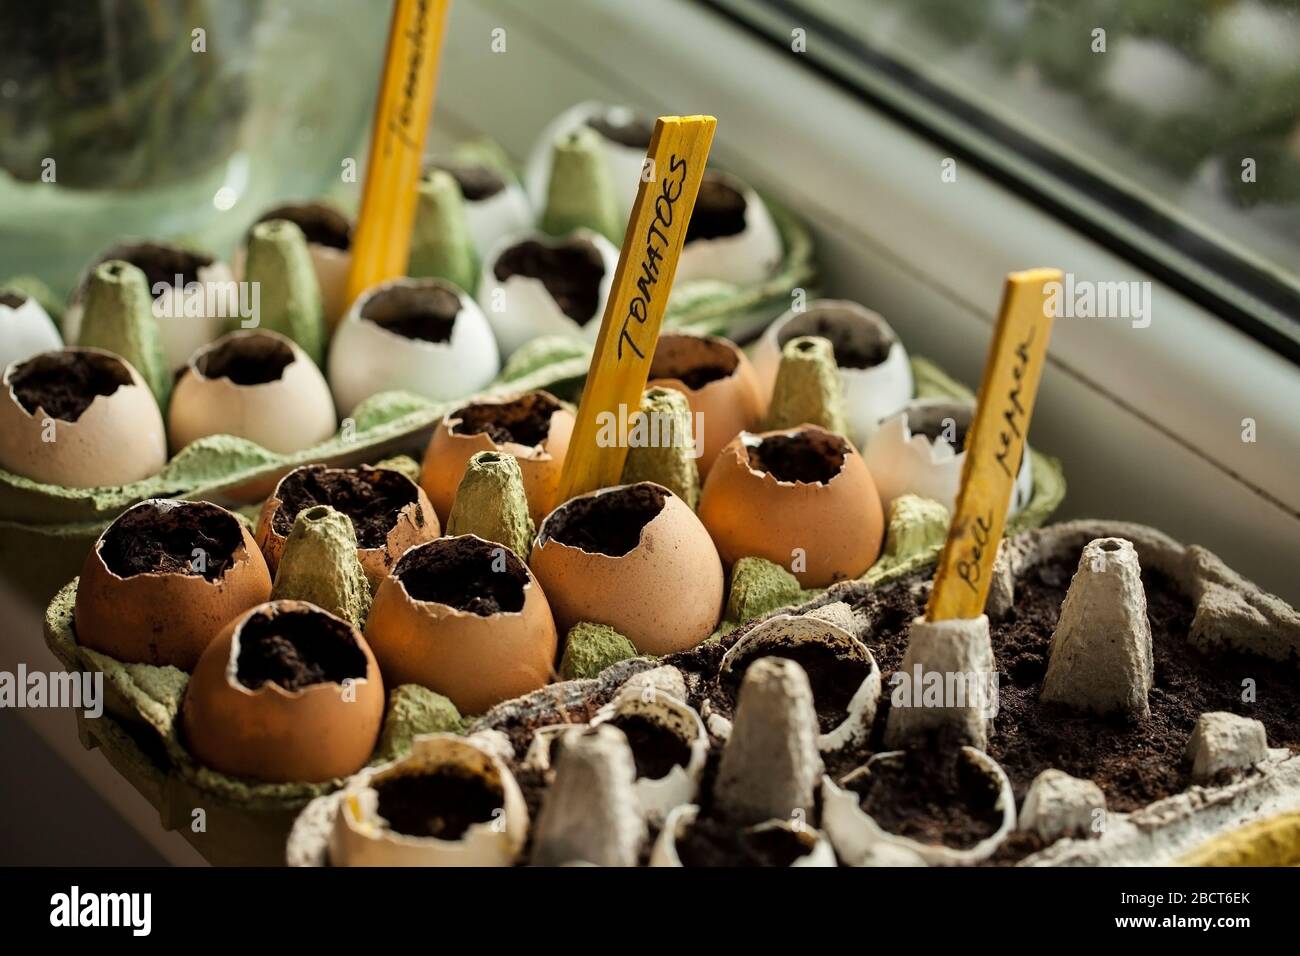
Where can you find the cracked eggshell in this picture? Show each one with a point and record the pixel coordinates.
(679, 821)
(167, 617)
(858, 838)
(329, 243)
(475, 660)
(909, 455)
(722, 406)
(731, 237)
(317, 733)
(185, 321)
(25, 328)
(624, 138)
(116, 440)
(424, 336)
(257, 385)
(664, 595)
(450, 450)
(782, 636)
(875, 372)
(416, 521)
(361, 837)
(837, 525)
(658, 796)
(520, 308)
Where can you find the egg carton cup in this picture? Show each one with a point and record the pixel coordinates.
(46, 530)
(242, 822)
(1231, 613)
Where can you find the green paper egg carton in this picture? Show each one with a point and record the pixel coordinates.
(246, 823)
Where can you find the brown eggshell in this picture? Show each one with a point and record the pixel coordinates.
(449, 453)
(664, 595)
(838, 523)
(308, 735)
(476, 661)
(417, 522)
(165, 617)
(727, 405)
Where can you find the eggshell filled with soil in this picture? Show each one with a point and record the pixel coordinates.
(718, 381)
(731, 236)
(25, 328)
(539, 285)
(389, 512)
(534, 427)
(163, 580)
(636, 558)
(424, 336)
(257, 385)
(875, 374)
(800, 498)
(466, 618)
(286, 693)
(79, 417)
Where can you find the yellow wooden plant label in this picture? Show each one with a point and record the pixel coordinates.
(994, 445)
(381, 247)
(629, 329)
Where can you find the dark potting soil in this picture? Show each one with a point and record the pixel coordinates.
(715, 843)
(13, 300)
(834, 678)
(476, 182)
(321, 225)
(719, 212)
(696, 378)
(427, 313)
(247, 359)
(466, 573)
(813, 457)
(609, 523)
(525, 420)
(443, 804)
(706, 361)
(655, 748)
(936, 429)
(154, 539)
(162, 264)
(296, 649)
(634, 133)
(64, 384)
(572, 273)
(850, 350)
(935, 798)
(373, 498)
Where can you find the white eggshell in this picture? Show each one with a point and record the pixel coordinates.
(870, 394)
(748, 257)
(903, 463)
(293, 412)
(25, 329)
(118, 439)
(366, 358)
(505, 213)
(361, 838)
(624, 162)
(521, 309)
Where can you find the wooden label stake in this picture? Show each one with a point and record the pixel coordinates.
(629, 329)
(994, 445)
(381, 248)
